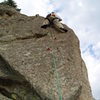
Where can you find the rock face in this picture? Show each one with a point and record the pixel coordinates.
(26, 65)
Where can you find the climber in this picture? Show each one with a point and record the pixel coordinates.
(53, 20)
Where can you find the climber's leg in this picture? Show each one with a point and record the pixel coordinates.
(45, 24)
(57, 24)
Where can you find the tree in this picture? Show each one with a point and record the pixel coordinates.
(12, 4)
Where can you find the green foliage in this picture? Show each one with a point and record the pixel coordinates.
(12, 4)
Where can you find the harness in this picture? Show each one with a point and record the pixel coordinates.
(51, 21)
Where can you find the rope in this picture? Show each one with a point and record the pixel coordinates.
(54, 62)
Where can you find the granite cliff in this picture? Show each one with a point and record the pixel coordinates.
(26, 65)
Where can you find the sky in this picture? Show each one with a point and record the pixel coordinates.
(83, 17)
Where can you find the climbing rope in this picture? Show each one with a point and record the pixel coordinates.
(54, 63)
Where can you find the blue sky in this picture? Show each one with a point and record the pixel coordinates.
(83, 17)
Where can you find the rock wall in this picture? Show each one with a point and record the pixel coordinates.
(26, 66)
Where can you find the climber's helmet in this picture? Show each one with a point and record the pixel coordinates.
(53, 13)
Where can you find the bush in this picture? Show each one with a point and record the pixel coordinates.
(12, 4)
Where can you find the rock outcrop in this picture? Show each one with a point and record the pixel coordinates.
(26, 66)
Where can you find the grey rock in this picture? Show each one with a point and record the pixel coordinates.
(27, 65)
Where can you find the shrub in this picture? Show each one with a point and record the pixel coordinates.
(12, 4)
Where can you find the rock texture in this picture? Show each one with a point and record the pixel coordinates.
(26, 66)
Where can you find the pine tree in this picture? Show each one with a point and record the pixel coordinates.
(12, 4)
